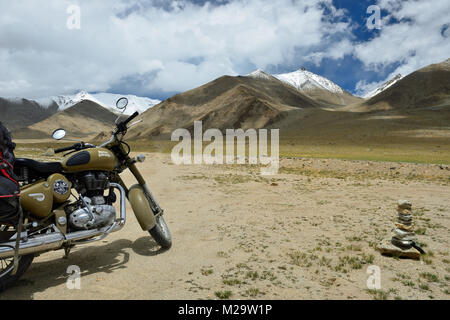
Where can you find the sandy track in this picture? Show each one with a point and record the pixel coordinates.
(297, 235)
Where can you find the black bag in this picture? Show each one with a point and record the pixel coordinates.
(9, 187)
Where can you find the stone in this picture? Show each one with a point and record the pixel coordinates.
(404, 212)
(402, 244)
(405, 227)
(405, 238)
(403, 235)
(405, 222)
(405, 204)
(387, 248)
(405, 218)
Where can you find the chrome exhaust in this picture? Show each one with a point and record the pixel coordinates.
(56, 240)
(35, 244)
(48, 242)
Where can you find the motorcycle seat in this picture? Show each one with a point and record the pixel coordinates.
(44, 168)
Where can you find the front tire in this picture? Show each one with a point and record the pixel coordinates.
(6, 267)
(161, 234)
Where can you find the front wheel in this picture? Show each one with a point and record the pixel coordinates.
(160, 232)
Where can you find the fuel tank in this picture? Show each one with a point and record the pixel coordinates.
(90, 159)
(38, 198)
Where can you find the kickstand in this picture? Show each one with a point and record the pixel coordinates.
(18, 236)
(67, 252)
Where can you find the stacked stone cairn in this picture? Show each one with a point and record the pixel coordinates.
(403, 241)
(404, 230)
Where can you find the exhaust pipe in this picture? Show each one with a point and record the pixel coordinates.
(55, 240)
(36, 244)
(46, 242)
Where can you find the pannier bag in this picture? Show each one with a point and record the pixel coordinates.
(9, 187)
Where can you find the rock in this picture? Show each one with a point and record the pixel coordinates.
(273, 184)
(405, 204)
(405, 238)
(405, 223)
(404, 211)
(403, 219)
(405, 227)
(404, 216)
(387, 248)
(403, 235)
(402, 244)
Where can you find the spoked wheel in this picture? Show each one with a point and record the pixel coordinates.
(7, 266)
(161, 233)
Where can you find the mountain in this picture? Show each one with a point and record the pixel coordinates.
(84, 119)
(261, 74)
(227, 102)
(313, 85)
(425, 88)
(17, 113)
(318, 87)
(20, 113)
(383, 87)
(106, 100)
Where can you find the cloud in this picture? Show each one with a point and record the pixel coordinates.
(413, 35)
(157, 47)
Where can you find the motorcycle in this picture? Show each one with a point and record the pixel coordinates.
(71, 202)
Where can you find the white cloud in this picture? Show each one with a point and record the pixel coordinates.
(413, 42)
(122, 39)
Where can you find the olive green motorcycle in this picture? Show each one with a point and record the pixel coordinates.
(71, 202)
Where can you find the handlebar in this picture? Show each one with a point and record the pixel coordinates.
(134, 115)
(122, 126)
(76, 147)
(66, 148)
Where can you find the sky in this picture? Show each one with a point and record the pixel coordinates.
(162, 47)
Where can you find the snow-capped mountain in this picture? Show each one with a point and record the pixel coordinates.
(106, 100)
(312, 85)
(383, 87)
(259, 73)
(306, 81)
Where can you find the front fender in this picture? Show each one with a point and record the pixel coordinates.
(141, 207)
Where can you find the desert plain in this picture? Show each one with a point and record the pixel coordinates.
(308, 232)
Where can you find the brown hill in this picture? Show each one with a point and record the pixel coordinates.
(22, 113)
(333, 99)
(414, 114)
(85, 119)
(424, 88)
(227, 102)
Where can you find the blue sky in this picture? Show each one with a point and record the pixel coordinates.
(156, 48)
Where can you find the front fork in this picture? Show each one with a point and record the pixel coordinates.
(140, 179)
(144, 205)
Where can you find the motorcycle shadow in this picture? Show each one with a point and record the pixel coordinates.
(90, 259)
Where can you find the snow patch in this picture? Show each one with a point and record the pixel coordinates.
(259, 73)
(304, 80)
(383, 87)
(106, 100)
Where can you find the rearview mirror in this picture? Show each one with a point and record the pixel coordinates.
(59, 134)
(122, 103)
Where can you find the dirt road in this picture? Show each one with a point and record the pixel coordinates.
(307, 233)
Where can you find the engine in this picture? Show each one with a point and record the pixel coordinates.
(93, 209)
